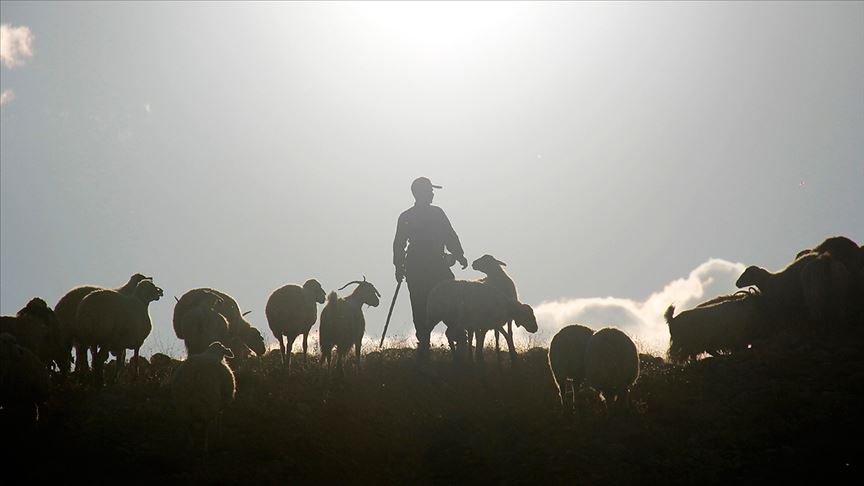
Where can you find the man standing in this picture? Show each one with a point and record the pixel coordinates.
(427, 231)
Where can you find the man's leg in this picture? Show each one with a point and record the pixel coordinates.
(419, 295)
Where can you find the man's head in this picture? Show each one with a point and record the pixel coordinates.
(422, 190)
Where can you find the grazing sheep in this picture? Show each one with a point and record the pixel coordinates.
(783, 291)
(722, 325)
(342, 321)
(202, 387)
(611, 365)
(108, 320)
(498, 278)
(37, 328)
(24, 383)
(469, 306)
(567, 359)
(292, 311)
(238, 326)
(66, 310)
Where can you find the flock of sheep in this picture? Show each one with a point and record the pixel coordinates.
(823, 287)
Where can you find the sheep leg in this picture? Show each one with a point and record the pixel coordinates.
(480, 336)
(81, 358)
(305, 344)
(498, 347)
(98, 366)
(281, 347)
(135, 367)
(357, 352)
(508, 336)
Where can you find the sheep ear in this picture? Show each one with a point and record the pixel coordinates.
(499, 262)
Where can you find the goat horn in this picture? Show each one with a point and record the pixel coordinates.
(349, 283)
(176, 299)
(246, 313)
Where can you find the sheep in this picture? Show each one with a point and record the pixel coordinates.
(202, 324)
(843, 249)
(67, 308)
(241, 334)
(342, 321)
(291, 311)
(567, 359)
(721, 325)
(783, 291)
(37, 328)
(24, 383)
(498, 278)
(465, 305)
(611, 365)
(827, 286)
(201, 388)
(108, 320)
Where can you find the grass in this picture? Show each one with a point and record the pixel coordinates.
(763, 414)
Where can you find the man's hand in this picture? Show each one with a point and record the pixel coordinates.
(462, 261)
(400, 274)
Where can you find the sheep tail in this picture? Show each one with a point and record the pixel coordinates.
(669, 313)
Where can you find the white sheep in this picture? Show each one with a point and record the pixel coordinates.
(242, 336)
(292, 311)
(110, 321)
(24, 383)
(498, 278)
(611, 365)
(66, 310)
(342, 321)
(722, 325)
(567, 359)
(468, 306)
(201, 388)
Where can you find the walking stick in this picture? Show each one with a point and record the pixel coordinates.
(390, 314)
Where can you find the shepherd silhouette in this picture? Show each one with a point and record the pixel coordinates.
(427, 232)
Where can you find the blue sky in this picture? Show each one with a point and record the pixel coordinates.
(604, 151)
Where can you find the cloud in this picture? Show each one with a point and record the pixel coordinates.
(16, 45)
(7, 96)
(642, 320)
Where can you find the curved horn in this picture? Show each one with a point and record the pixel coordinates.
(364, 278)
(349, 283)
(246, 313)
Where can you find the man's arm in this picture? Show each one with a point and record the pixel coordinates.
(399, 242)
(451, 241)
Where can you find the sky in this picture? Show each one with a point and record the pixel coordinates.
(619, 157)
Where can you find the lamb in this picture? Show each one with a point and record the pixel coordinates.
(37, 328)
(567, 359)
(67, 308)
(465, 305)
(291, 311)
(498, 278)
(722, 325)
(108, 320)
(24, 383)
(241, 336)
(611, 365)
(201, 388)
(342, 321)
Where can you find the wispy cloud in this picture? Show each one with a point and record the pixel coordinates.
(7, 96)
(642, 320)
(16, 45)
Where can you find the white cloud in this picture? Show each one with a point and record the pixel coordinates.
(7, 96)
(147, 107)
(16, 45)
(642, 320)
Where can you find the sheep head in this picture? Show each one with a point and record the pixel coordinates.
(313, 290)
(217, 349)
(487, 264)
(146, 291)
(253, 339)
(753, 275)
(525, 319)
(365, 292)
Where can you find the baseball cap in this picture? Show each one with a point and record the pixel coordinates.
(422, 182)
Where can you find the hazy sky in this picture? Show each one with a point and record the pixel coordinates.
(607, 152)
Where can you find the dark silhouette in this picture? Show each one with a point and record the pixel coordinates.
(427, 232)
